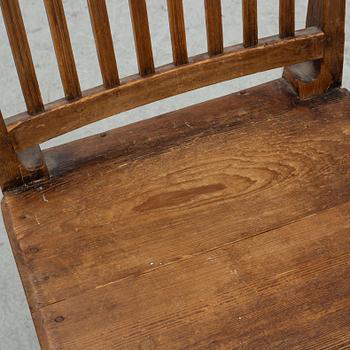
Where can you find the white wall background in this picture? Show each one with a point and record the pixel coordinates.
(16, 328)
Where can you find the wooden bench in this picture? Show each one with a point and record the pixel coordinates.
(225, 225)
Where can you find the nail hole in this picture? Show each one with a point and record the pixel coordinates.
(33, 250)
(59, 319)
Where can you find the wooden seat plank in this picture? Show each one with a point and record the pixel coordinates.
(285, 289)
(205, 178)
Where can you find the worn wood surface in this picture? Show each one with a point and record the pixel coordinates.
(63, 48)
(151, 244)
(285, 289)
(22, 56)
(104, 42)
(33, 165)
(203, 70)
(250, 22)
(287, 18)
(177, 31)
(213, 18)
(142, 36)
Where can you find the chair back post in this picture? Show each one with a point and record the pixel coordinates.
(14, 172)
(316, 77)
(19, 168)
(10, 170)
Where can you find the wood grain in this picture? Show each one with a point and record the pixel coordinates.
(10, 174)
(286, 18)
(213, 18)
(18, 169)
(168, 81)
(63, 48)
(22, 56)
(250, 23)
(285, 289)
(224, 225)
(142, 36)
(104, 42)
(177, 31)
(255, 161)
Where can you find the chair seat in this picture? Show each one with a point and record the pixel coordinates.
(225, 225)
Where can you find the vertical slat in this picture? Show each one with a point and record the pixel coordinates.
(315, 12)
(139, 18)
(177, 31)
(10, 174)
(250, 23)
(287, 18)
(63, 48)
(214, 27)
(104, 42)
(22, 55)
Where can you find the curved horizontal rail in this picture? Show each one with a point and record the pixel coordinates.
(63, 116)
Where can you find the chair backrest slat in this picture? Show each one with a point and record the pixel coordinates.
(142, 36)
(250, 23)
(63, 48)
(104, 42)
(214, 27)
(177, 31)
(22, 55)
(287, 18)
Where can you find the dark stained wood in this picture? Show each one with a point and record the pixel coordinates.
(287, 18)
(168, 81)
(25, 167)
(63, 48)
(213, 17)
(139, 18)
(177, 31)
(122, 252)
(33, 165)
(250, 23)
(104, 42)
(332, 22)
(13, 171)
(315, 78)
(10, 174)
(315, 13)
(22, 56)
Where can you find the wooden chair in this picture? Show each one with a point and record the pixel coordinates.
(220, 226)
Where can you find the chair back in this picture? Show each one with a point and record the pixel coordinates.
(313, 58)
